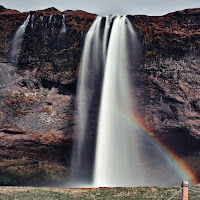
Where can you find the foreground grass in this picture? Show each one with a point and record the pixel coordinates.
(139, 193)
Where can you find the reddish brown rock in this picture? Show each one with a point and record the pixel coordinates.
(49, 11)
(5, 11)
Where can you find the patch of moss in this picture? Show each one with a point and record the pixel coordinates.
(7, 180)
(32, 172)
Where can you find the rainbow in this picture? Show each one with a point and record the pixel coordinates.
(177, 162)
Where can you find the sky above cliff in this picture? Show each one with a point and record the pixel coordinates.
(104, 7)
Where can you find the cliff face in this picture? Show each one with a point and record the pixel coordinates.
(37, 93)
(168, 79)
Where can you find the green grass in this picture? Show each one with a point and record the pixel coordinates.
(139, 193)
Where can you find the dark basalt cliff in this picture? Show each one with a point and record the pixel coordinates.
(37, 94)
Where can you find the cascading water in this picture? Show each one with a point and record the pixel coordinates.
(119, 159)
(120, 154)
(124, 156)
(117, 162)
(41, 18)
(88, 94)
(18, 39)
(32, 21)
(50, 19)
(63, 29)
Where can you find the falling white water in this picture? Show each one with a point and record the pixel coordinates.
(32, 21)
(116, 153)
(51, 22)
(89, 79)
(124, 155)
(50, 19)
(41, 18)
(106, 35)
(63, 29)
(18, 39)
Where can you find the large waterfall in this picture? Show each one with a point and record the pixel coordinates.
(115, 152)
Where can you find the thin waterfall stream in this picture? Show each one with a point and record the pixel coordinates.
(18, 39)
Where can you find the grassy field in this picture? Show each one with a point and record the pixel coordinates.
(35, 193)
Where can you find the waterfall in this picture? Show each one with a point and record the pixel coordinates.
(18, 39)
(51, 23)
(89, 83)
(63, 29)
(32, 21)
(41, 18)
(50, 19)
(115, 152)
